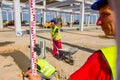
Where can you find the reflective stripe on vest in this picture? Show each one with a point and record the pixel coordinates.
(46, 69)
(58, 37)
(111, 56)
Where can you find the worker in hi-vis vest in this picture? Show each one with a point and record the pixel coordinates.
(101, 65)
(44, 69)
(55, 38)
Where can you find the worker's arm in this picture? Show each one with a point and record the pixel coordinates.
(93, 69)
(56, 33)
(54, 36)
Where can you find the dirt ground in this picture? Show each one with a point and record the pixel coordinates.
(15, 54)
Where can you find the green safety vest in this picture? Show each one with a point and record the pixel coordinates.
(45, 68)
(58, 37)
(110, 54)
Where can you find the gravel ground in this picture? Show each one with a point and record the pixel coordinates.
(15, 54)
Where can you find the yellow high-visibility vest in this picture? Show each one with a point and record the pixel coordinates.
(58, 37)
(110, 54)
(45, 68)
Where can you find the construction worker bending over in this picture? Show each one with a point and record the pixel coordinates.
(101, 65)
(45, 69)
(55, 37)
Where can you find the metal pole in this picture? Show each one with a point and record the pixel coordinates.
(44, 12)
(82, 16)
(1, 19)
(71, 20)
(32, 35)
(88, 22)
(17, 19)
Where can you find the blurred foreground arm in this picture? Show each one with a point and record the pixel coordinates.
(115, 5)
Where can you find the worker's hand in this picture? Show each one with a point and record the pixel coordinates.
(32, 77)
(36, 77)
(51, 40)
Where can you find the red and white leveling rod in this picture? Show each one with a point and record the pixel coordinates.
(32, 35)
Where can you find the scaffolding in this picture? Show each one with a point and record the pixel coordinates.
(72, 7)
